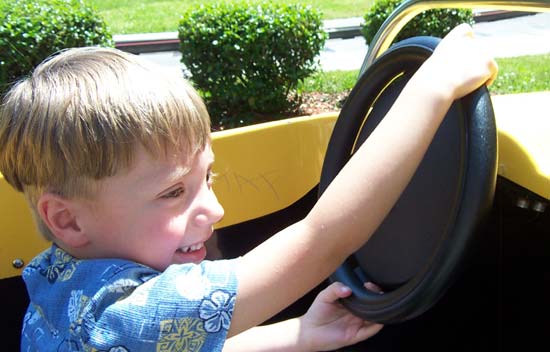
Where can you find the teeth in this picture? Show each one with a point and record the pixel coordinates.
(192, 248)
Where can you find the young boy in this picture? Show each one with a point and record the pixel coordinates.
(115, 162)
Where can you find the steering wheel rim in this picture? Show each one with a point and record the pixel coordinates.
(469, 132)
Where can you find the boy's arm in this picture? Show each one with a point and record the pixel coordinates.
(286, 266)
(326, 326)
(282, 336)
(285, 336)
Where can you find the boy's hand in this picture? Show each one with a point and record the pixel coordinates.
(327, 325)
(459, 64)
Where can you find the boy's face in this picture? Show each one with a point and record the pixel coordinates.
(159, 213)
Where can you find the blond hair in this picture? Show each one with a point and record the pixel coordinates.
(80, 116)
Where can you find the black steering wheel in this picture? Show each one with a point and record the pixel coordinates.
(417, 252)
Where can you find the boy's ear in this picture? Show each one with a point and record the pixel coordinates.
(59, 215)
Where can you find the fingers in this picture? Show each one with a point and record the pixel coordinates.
(334, 292)
(338, 290)
(365, 329)
(462, 63)
(493, 68)
(462, 30)
(483, 56)
(373, 287)
(487, 62)
(465, 30)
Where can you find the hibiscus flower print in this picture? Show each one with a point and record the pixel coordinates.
(216, 311)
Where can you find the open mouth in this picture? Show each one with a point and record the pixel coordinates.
(191, 248)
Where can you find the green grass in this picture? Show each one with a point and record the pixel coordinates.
(148, 16)
(516, 75)
(523, 74)
(329, 82)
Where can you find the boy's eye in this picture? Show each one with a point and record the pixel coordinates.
(174, 194)
(210, 178)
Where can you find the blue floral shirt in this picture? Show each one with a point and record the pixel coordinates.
(116, 305)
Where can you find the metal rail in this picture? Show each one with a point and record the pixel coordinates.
(409, 9)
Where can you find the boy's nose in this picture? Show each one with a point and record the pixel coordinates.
(211, 211)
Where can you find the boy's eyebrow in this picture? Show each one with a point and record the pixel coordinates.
(177, 174)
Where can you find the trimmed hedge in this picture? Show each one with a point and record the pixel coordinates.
(30, 31)
(246, 59)
(436, 22)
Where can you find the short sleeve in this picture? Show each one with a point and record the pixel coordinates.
(186, 308)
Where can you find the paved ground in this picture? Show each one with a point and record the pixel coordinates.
(524, 35)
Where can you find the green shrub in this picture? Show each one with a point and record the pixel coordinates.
(30, 31)
(435, 22)
(247, 59)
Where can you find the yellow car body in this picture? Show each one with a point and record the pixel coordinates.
(264, 168)
(267, 169)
